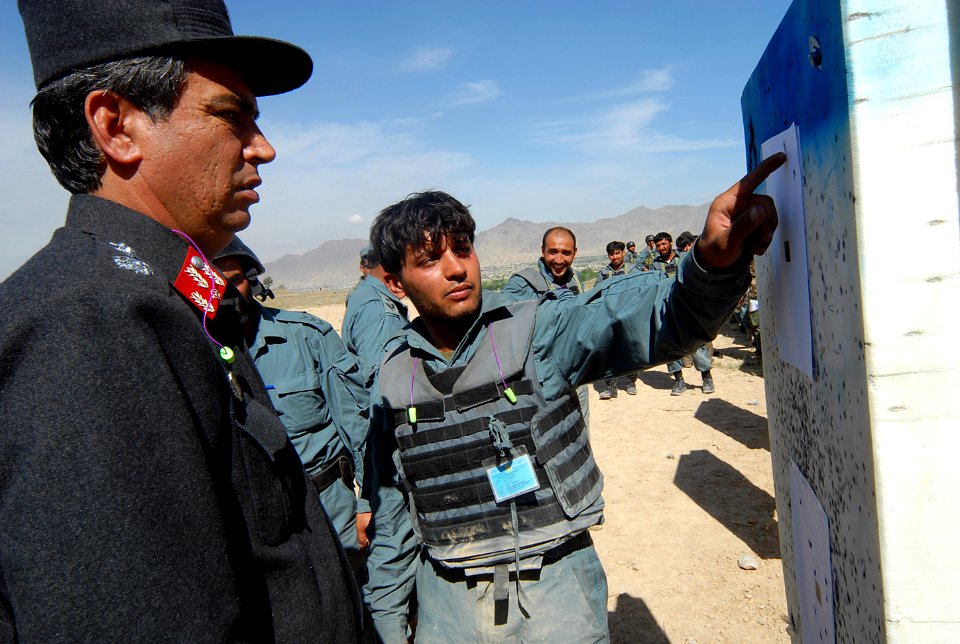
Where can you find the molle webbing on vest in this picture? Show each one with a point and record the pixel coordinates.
(551, 450)
(469, 491)
(465, 429)
(457, 458)
(564, 451)
(477, 526)
(436, 411)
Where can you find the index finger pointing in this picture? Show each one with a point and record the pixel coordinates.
(758, 175)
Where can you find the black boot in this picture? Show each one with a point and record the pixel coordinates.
(679, 386)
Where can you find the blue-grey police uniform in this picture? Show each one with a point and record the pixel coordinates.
(373, 316)
(701, 357)
(315, 385)
(531, 283)
(645, 257)
(629, 322)
(630, 379)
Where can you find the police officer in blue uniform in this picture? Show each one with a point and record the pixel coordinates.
(616, 253)
(481, 420)
(147, 488)
(375, 313)
(554, 269)
(667, 261)
(315, 385)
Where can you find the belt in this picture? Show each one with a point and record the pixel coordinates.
(341, 467)
(573, 544)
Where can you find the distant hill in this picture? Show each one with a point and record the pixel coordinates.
(333, 265)
(511, 242)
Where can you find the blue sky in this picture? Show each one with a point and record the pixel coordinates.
(538, 110)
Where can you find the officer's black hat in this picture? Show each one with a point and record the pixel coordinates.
(252, 267)
(67, 36)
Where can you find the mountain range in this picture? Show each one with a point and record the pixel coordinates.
(509, 244)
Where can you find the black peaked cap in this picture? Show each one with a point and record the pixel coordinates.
(67, 35)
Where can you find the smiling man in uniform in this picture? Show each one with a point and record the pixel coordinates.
(554, 269)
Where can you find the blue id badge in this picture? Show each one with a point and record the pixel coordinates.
(511, 477)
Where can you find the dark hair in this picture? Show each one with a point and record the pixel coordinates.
(615, 245)
(555, 229)
(371, 260)
(684, 239)
(410, 222)
(60, 127)
(662, 236)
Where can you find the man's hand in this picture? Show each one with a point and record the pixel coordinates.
(363, 521)
(740, 222)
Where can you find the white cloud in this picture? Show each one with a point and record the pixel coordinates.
(623, 128)
(331, 179)
(478, 92)
(426, 59)
(650, 81)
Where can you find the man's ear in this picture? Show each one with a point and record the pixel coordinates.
(393, 284)
(115, 124)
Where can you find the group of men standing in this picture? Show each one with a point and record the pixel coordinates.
(178, 461)
(554, 270)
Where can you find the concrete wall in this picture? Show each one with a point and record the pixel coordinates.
(876, 432)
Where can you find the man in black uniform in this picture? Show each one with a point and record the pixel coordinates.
(147, 488)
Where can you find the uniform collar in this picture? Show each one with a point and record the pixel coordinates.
(268, 327)
(147, 240)
(144, 240)
(381, 287)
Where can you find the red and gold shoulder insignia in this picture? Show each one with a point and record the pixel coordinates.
(200, 283)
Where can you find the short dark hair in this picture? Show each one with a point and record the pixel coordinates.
(60, 128)
(432, 214)
(615, 245)
(557, 229)
(662, 236)
(371, 259)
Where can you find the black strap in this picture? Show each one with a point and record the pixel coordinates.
(464, 429)
(557, 444)
(340, 467)
(435, 411)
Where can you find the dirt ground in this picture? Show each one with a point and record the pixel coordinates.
(689, 491)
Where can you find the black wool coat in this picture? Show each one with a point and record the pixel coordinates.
(139, 498)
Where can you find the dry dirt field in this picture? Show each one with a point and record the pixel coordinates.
(689, 491)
